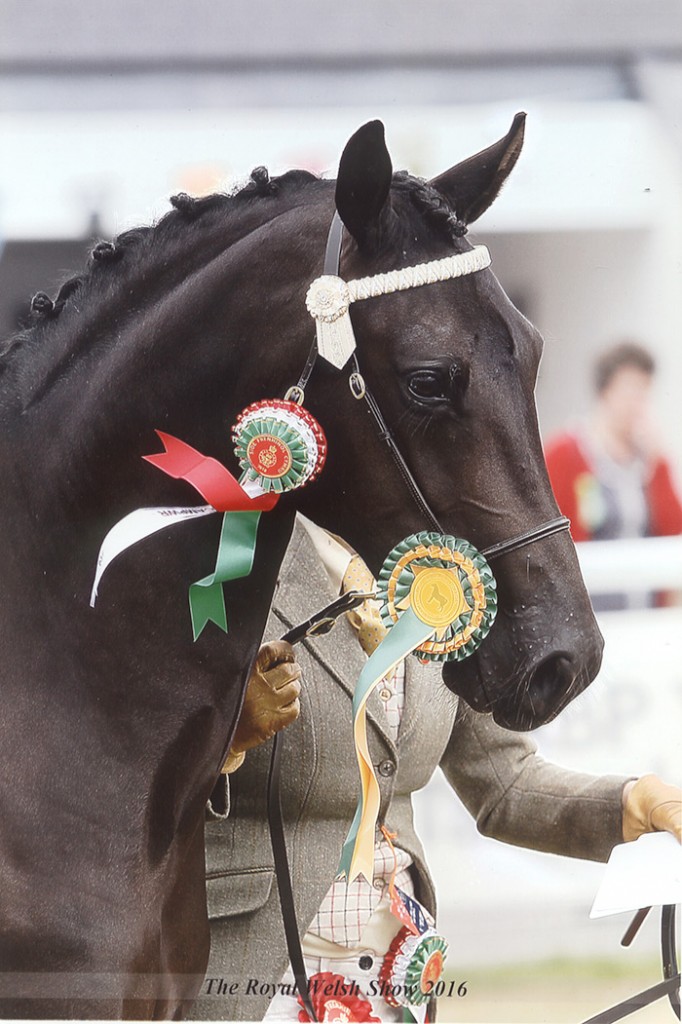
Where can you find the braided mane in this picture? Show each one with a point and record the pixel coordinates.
(188, 213)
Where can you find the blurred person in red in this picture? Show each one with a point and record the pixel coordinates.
(609, 475)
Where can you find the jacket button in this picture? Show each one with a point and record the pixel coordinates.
(387, 768)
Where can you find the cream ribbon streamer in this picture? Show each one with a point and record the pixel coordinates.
(357, 857)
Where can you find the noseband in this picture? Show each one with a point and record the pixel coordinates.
(383, 284)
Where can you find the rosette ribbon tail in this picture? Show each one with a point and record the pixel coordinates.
(237, 545)
(210, 478)
(357, 857)
(336, 340)
(236, 550)
(224, 493)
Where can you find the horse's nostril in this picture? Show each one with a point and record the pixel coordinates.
(549, 684)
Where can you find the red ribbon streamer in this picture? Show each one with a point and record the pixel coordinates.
(209, 477)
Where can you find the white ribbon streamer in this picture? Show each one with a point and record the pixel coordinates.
(134, 527)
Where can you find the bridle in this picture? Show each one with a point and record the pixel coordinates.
(360, 391)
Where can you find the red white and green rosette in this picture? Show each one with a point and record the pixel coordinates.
(446, 580)
(280, 446)
(335, 998)
(412, 967)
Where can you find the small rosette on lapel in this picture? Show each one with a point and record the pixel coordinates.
(412, 967)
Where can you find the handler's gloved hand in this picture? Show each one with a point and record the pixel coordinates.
(270, 703)
(651, 805)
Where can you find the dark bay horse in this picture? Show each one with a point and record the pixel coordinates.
(114, 724)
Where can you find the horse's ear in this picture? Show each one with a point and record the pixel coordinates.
(363, 184)
(471, 187)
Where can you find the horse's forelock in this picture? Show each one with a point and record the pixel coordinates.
(429, 204)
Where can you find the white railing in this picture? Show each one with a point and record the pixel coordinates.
(649, 563)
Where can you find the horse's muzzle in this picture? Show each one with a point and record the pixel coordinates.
(533, 696)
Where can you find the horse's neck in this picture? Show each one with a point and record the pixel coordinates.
(178, 341)
(78, 419)
(79, 415)
(122, 696)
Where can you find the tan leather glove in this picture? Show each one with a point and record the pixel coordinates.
(651, 805)
(270, 703)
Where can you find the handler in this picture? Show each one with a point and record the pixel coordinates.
(415, 725)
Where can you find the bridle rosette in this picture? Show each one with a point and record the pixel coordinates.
(438, 599)
(280, 446)
(328, 298)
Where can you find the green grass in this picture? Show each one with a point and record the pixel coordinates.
(552, 991)
(566, 969)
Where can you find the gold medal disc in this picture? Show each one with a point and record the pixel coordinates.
(269, 455)
(437, 597)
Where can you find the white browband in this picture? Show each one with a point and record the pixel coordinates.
(329, 297)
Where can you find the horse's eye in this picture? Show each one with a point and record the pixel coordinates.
(428, 385)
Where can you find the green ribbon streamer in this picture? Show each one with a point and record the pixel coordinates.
(406, 634)
(236, 551)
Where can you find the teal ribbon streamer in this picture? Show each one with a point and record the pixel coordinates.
(406, 634)
(236, 550)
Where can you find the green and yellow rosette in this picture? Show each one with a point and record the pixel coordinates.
(280, 446)
(447, 582)
(439, 599)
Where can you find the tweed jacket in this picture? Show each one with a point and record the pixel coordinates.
(513, 794)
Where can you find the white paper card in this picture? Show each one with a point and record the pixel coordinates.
(646, 873)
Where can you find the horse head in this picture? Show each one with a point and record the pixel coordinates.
(453, 365)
